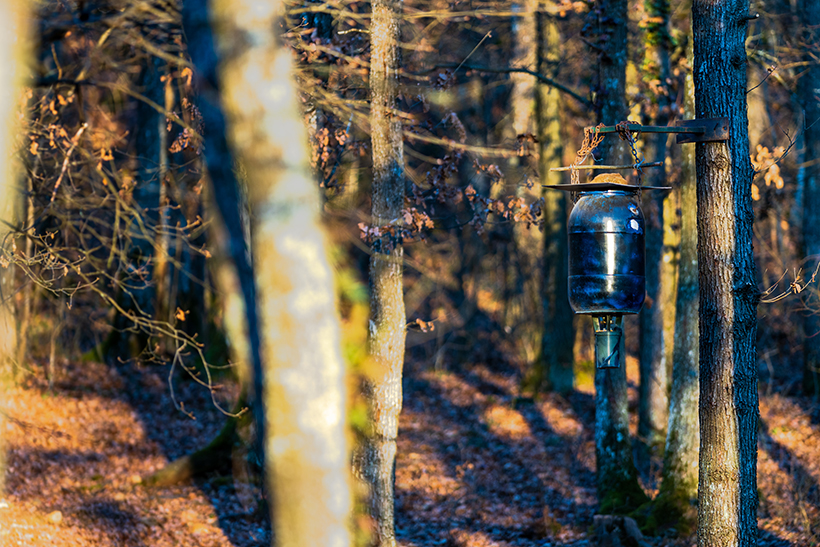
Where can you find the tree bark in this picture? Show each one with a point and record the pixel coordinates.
(226, 192)
(525, 305)
(149, 130)
(15, 48)
(653, 400)
(669, 275)
(556, 360)
(522, 96)
(809, 13)
(727, 498)
(306, 454)
(618, 487)
(677, 500)
(387, 315)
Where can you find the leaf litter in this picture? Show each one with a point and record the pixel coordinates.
(478, 465)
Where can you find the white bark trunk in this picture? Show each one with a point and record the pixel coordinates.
(303, 380)
(14, 49)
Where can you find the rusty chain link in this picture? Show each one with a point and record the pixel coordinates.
(591, 141)
(622, 128)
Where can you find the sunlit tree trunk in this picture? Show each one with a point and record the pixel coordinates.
(557, 338)
(14, 49)
(677, 500)
(387, 315)
(810, 98)
(669, 274)
(306, 454)
(618, 488)
(527, 241)
(522, 97)
(727, 495)
(652, 392)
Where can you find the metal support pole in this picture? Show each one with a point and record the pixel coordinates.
(609, 341)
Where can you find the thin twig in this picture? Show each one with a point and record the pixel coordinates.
(771, 70)
(509, 70)
(489, 33)
(26, 425)
(74, 141)
(794, 288)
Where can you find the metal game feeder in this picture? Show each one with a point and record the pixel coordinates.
(606, 234)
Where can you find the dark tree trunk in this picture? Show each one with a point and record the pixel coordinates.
(618, 488)
(810, 99)
(387, 319)
(727, 499)
(677, 500)
(150, 124)
(653, 400)
(124, 341)
(226, 191)
(556, 362)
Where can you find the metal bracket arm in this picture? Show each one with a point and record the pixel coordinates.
(700, 130)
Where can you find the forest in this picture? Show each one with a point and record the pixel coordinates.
(406, 273)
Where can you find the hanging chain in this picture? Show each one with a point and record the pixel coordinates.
(622, 128)
(591, 141)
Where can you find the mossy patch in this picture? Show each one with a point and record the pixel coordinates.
(623, 498)
(667, 512)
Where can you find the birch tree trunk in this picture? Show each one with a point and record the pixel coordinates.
(306, 453)
(387, 316)
(557, 338)
(677, 500)
(653, 401)
(809, 12)
(618, 487)
(14, 52)
(727, 497)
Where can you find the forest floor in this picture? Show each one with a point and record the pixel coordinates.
(478, 464)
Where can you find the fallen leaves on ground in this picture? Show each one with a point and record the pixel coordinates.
(478, 465)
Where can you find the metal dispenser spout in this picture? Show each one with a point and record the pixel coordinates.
(609, 341)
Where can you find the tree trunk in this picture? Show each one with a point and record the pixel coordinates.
(522, 96)
(24, 314)
(727, 498)
(618, 488)
(387, 316)
(669, 274)
(677, 500)
(226, 192)
(652, 394)
(527, 241)
(149, 129)
(15, 47)
(307, 458)
(557, 338)
(149, 124)
(808, 85)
